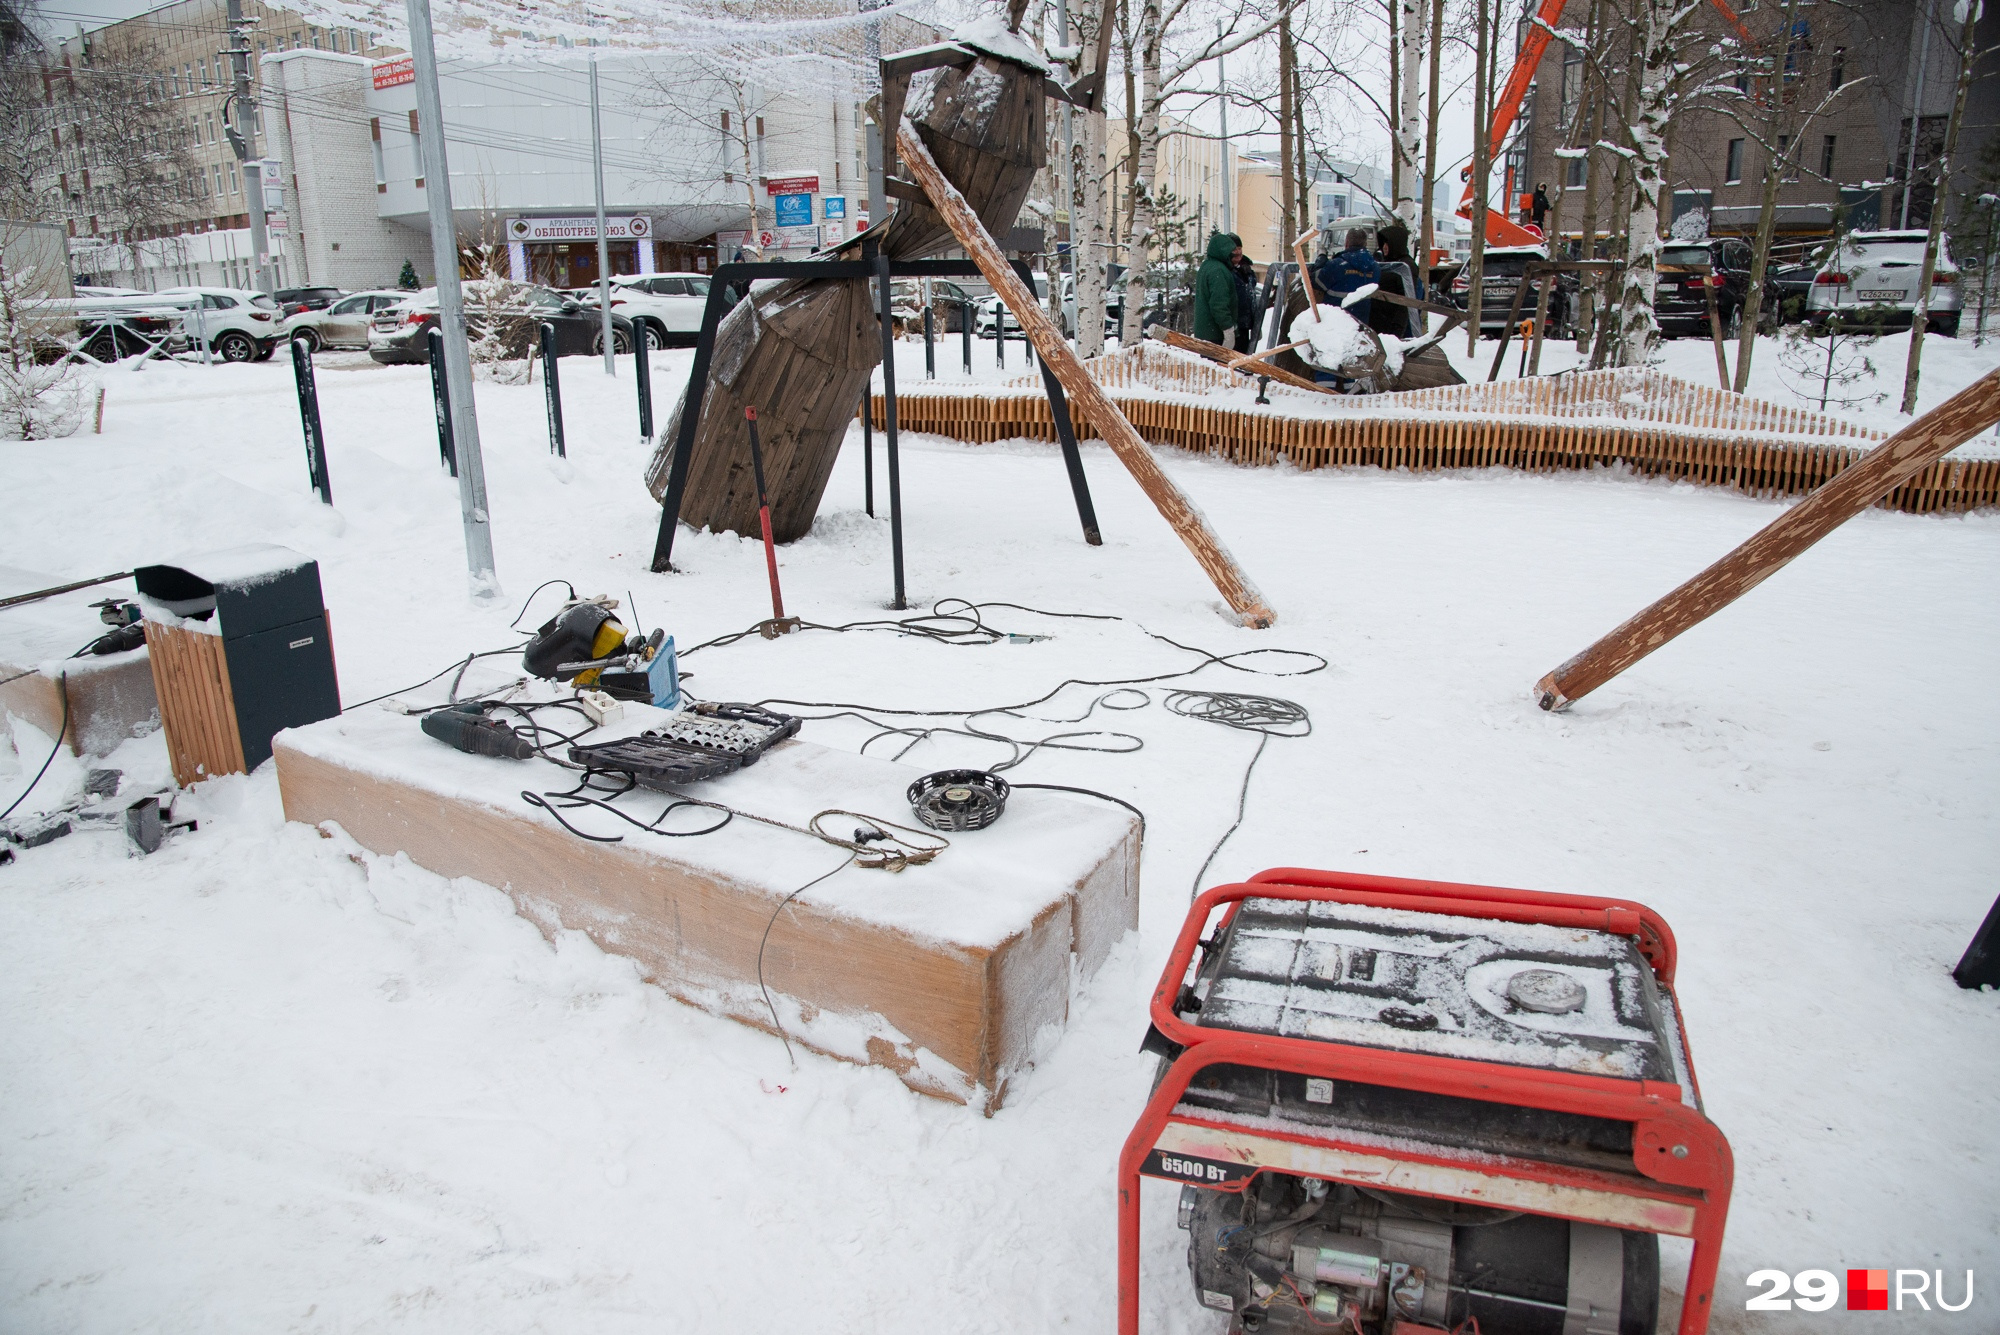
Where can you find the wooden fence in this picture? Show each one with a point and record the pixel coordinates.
(1652, 423)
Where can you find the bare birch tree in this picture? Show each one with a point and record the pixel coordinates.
(1166, 66)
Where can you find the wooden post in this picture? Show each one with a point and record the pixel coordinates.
(1867, 480)
(1715, 332)
(1096, 406)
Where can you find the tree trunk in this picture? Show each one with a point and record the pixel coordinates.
(1397, 23)
(1920, 316)
(1139, 228)
(1410, 136)
(1431, 159)
(1300, 164)
(1287, 207)
(1482, 167)
(1089, 258)
(1638, 328)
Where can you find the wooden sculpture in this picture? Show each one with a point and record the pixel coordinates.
(802, 352)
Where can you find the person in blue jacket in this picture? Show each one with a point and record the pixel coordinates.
(1215, 291)
(1351, 269)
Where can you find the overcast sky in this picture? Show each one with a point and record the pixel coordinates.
(1362, 141)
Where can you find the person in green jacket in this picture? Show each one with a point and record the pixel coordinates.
(1215, 291)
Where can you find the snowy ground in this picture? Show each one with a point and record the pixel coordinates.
(261, 1081)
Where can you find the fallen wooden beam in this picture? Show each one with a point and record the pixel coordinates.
(1222, 356)
(1085, 394)
(1855, 488)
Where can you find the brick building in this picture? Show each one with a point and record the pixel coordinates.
(1860, 110)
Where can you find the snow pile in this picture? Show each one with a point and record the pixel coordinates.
(1332, 340)
(262, 1080)
(989, 33)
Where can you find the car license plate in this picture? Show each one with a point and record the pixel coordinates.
(1883, 294)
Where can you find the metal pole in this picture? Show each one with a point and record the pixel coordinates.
(1222, 84)
(471, 470)
(930, 341)
(302, 375)
(889, 427)
(243, 139)
(965, 332)
(642, 373)
(868, 451)
(552, 390)
(603, 244)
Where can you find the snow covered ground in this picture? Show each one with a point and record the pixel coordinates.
(263, 1081)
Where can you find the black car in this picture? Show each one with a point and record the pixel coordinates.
(1501, 272)
(401, 334)
(292, 300)
(1786, 288)
(1686, 270)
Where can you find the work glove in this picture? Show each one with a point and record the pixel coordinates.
(1229, 339)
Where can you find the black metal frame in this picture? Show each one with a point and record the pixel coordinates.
(872, 265)
(545, 334)
(308, 390)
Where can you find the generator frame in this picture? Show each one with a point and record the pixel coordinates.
(1684, 1168)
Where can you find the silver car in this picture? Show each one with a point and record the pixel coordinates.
(344, 324)
(1870, 281)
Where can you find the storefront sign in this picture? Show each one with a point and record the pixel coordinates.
(833, 206)
(393, 73)
(793, 210)
(833, 233)
(796, 238)
(792, 185)
(578, 229)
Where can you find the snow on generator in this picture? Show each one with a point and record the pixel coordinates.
(1416, 1108)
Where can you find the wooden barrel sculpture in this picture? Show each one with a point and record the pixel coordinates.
(802, 351)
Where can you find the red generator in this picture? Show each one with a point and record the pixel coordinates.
(1416, 1108)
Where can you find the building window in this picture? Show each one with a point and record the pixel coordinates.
(381, 168)
(1732, 175)
(1574, 170)
(1826, 157)
(1572, 81)
(1788, 160)
(1839, 74)
(217, 168)
(235, 185)
(417, 147)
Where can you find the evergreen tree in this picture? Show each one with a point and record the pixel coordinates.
(408, 278)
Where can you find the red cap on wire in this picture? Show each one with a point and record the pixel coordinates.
(750, 413)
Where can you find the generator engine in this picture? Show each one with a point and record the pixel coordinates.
(1302, 1254)
(1417, 1108)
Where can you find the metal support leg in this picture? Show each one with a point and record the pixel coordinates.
(965, 333)
(868, 452)
(1086, 513)
(881, 262)
(930, 346)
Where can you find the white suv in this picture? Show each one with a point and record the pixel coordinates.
(1871, 281)
(237, 324)
(668, 306)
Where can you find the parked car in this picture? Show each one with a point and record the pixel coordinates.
(345, 323)
(948, 305)
(1870, 280)
(108, 327)
(1501, 275)
(295, 299)
(86, 290)
(1787, 287)
(400, 335)
(668, 306)
(238, 324)
(1687, 270)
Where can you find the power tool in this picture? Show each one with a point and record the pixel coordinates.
(473, 730)
(586, 646)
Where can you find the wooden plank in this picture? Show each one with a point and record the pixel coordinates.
(1888, 466)
(1085, 394)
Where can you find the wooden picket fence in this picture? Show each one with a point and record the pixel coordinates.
(1644, 420)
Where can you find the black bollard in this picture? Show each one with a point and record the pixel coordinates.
(642, 367)
(965, 332)
(868, 450)
(552, 389)
(1981, 965)
(302, 373)
(930, 347)
(441, 400)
